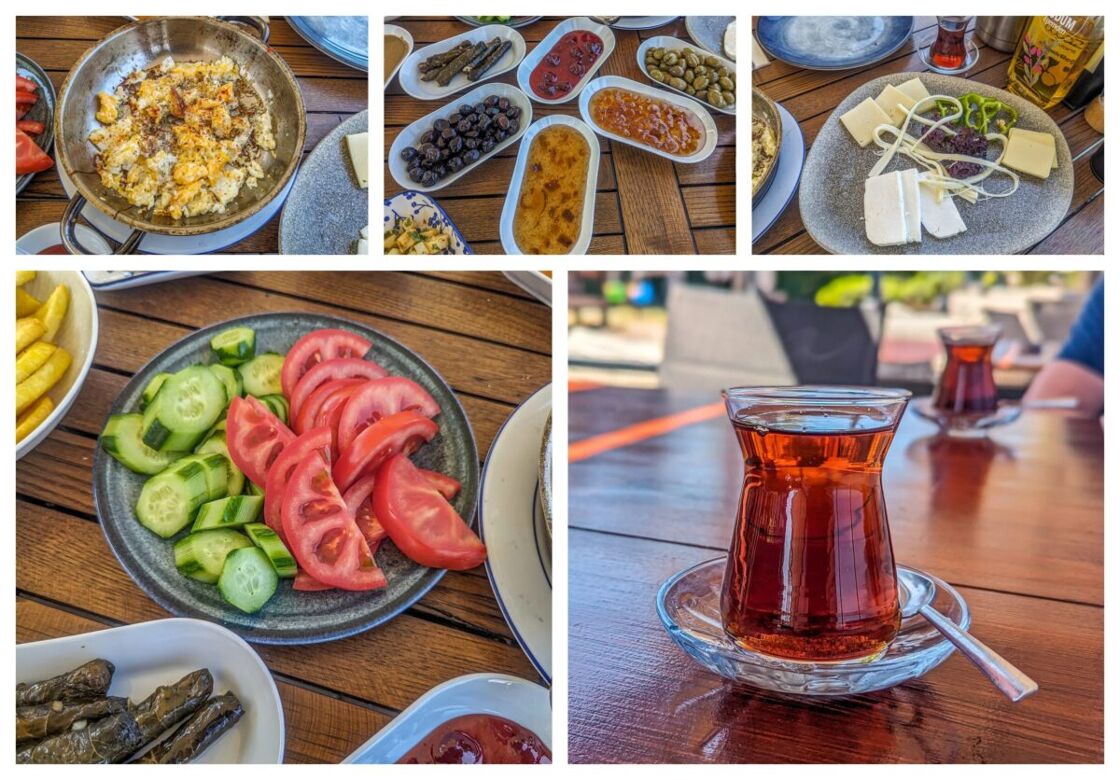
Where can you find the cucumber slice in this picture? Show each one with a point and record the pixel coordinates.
(261, 375)
(235, 481)
(188, 403)
(253, 489)
(169, 500)
(202, 555)
(150, 391)
(234, 346)
(230, 379)
(248, 579)
(216, 465)
(121, 439)
(271, 545)
(227, 512)
(278, 405)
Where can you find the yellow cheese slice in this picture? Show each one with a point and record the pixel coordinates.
(895, 102)
(862, 120)
(358, 146)
(1030, 152)
(914, 89)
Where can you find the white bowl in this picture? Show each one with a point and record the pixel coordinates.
(681, 101)
(45, 236)
(545, 46)
(406, 36)
(147, 655)
(669, 41)
(78, 336)
(410, 136)
(429, 90)
(509, 210)
(512, 698)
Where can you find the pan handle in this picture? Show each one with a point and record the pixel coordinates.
(70, 235)
(258, 23)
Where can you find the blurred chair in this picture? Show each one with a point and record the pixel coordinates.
(1012, 327)
(828, 345)
(1055, 318)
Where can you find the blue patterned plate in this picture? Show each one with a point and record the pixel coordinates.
(832, 42)
(427, 213)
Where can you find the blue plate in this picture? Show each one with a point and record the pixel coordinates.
(342, 38)
(832, 42)
(783, 184)
(290, 617)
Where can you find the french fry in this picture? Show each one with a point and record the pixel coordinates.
(26, 303)
(53, 311)
(31, 389)
(33, 418)
(28, 331)
(32, 359)
(23, 277)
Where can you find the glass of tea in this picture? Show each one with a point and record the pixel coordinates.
(948, 49)
(967, 385)
(810, 573)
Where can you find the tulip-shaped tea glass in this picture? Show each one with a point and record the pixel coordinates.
(810, 572)
(967, 385)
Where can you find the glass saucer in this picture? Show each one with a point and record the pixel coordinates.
(688, 605)
(967, 424)
(971, 57)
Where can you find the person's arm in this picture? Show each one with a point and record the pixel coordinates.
(1067, 379)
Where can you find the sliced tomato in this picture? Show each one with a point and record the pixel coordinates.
(29, 157)
(25, 98)
(321, 532)
(380, 398)
(328, 370)
(420, 521)
(309, 412)
(305, 582)
(31, 126)
(402, 432)
(255, 437)
(316, 439)
(448, 487)
(359, 500)
(26, 84)
(315, 347)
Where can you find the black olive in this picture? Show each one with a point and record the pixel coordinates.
(479, 108)
(416, 174)
(454, 118)
(473, 119)
(465, 109)
(463, 126)
(432, 154)
(502, 121)
(514, 126)
(500, 136)
(429, 178)
(444, 153)
(503, 103)
(441, 142)
(491, 101)
(447, 134)
(513, 112)
(488, 145)
(471, 133)
(440, 124)
(441, 171)
(455, 144)
(409, 153)
(484, 122)
(471, 156)
(493, 111)
(428, 137)
(470, 143)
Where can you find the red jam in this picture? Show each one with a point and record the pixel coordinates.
(566, 64)
(479, 739)
(57, 249)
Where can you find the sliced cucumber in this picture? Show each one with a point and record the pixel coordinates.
(219, 426)
(248, 579)
(188, 403)
(169, 500)
(235, 481)
(230, 379)
(271, 545)
(227, 512)
(278, 405)
(253, 489)
(261, 375)
(216, 465)
(202, 555)
(150, 391)
(234, 346)
(121, 439)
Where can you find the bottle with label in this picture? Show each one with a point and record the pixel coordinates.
(1051, 55)
(1089, 84)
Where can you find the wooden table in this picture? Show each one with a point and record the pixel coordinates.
(645, 203)
(812, 96)
(487, 338)
(332, 92)
(1014, 522)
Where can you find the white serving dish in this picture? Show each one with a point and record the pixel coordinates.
(669, 41)
(587, 225)
(77, 335)
(147, 655)
(545, 46)
(682, 101)
(410, 136)
(642, 22)
(429, 90)
(406, 36)
(37, 239)
(535, 283)
(512, 698)
(425, 211)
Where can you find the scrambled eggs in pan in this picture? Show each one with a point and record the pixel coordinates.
(182, 138)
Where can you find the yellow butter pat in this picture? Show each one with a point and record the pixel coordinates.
(1030, 152)
(862, 120)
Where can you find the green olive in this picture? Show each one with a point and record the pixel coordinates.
(711, 62)
(700, 82)
(677, 70)
(657, 75)
(658, 53)
(726, 83)
(701, 70)
(689, 75)
(691, 59)
(690, 89)
(671, 58)
(676, 83)
(729, 98)
(714, 86)
(717, 99)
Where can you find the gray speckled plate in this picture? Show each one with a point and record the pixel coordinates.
(831, 197)
(326, 207)
(290, 617)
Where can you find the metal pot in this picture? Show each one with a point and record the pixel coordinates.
(140, 45)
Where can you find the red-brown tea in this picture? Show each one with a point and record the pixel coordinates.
(967, 384)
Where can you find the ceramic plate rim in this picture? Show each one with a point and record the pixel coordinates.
(848, 65)
(789, 132)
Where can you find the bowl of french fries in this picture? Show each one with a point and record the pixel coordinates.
(56, 337)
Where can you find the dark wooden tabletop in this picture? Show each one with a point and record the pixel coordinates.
(645, 204)
(811, 96)
(488, 339)
(332, 92)
(1014, 522)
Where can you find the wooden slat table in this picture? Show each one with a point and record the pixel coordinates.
(488, 339)
(332, 92)
(1014, 522)
(645, 203)
(812, 96)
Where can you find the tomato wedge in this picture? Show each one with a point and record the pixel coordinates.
(321, 532)
(328, 370)
(305, 582)
(402, 432)
(315, 347)
(309, 412)
(448, 487)
(255, 437)
(359, 500)
(31, 126)
(26, 84)
(315, 440)
(29, 157)
(380, 398)
(420, 521)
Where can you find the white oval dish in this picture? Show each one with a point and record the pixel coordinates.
(509, 210)
(404, 35)
(159, 652)
(681, 101)
(525, 70)
(410, 136)
(677, 43)
(502, 695)
(37, 239)
(429, 90)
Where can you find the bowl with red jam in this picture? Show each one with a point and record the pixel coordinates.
(563, 63)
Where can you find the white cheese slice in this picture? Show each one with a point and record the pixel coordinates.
(914, 89)
(911, 206)
(884, 210)
(364, 232)
(862, 120)
(358, 146)
(363, 247)
(1030, 152)
(895, 102)
(940, 217)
